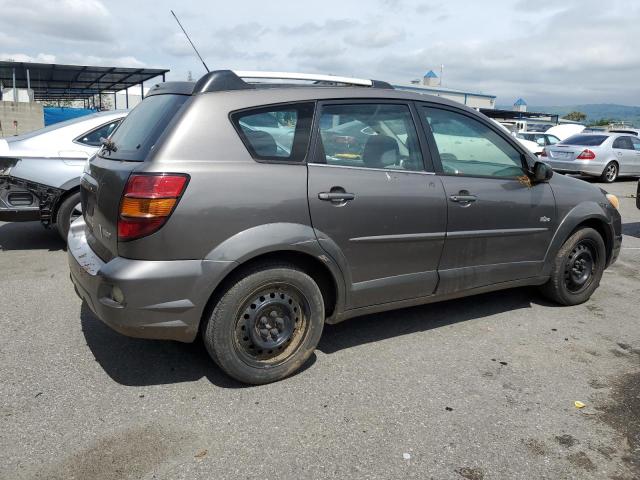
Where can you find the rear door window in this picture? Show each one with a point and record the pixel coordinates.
(141, 129)
(623, 143)
(276, 133)
(370, 136)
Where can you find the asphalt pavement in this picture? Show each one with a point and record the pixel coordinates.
(478, 388)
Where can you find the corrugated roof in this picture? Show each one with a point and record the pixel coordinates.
(74, 82)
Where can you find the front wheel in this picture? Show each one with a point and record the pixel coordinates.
(577, 268)
(266, 325)
(68, 211)
(610, 173)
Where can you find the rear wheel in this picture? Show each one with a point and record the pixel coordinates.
(69, 210)
(610, 172)
(577, 268)
(266, 325)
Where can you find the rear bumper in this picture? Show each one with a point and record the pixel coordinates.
(141, 298)
(583, 167)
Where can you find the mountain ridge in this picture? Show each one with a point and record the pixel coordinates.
(594, 111)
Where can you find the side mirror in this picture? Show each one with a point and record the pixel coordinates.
(542, 172)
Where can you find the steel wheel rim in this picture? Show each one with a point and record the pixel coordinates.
(612, 172)
(76, 212)
(580, 267)
(271, 325)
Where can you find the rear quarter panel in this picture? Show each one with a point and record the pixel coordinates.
(228, 192)
(61, 173)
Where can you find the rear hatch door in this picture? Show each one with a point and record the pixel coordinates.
(106, 175)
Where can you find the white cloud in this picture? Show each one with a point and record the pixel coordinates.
(75, 59)
(546, 51)
(373, 36)
(21, 57)
(79, 20)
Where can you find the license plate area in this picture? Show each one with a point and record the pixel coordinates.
(561, 155)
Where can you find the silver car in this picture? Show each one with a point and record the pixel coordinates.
(40, 171)
(605, 155)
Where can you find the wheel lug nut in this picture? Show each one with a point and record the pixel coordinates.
(263, 320)
(264, 333)
(274, 314)
(274, 332)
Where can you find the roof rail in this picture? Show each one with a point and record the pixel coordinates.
(221, 80)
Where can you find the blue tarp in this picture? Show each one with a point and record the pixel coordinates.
(60, 114)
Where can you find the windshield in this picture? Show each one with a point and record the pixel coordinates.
(139, 132)
(585, 140)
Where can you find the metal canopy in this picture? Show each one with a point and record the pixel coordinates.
(514, 115)
(73, 82)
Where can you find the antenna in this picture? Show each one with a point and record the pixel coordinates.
(187, 35)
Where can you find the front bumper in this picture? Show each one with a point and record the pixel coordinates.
(143, 298)
(12, 212)
(19, 214)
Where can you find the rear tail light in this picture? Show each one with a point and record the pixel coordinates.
(586, 154)
(147, 203)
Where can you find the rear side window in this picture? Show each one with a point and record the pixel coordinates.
(585, 140)
(93, 137)
(140, 130)
(276, 133)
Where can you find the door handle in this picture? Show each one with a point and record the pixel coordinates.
(463, 198)
(336, 196)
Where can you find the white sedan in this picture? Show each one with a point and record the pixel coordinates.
(40, 171)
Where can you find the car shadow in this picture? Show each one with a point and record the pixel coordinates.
(395, 323)
(29, 236)
(139, 362)
(632, 229)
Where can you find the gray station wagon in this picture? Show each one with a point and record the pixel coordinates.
(252, 212)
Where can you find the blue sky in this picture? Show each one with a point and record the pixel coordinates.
(549, 52)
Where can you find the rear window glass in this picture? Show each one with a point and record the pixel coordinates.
(276, 133)
(140, 130)
(586, 140)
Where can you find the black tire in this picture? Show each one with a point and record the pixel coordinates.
(67, 212)
(577, 268)
(254, 350)
(610, 172)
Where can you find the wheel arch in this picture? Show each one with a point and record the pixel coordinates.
(582, 216)
(325, 278)
(60, 200)
(286, 243)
